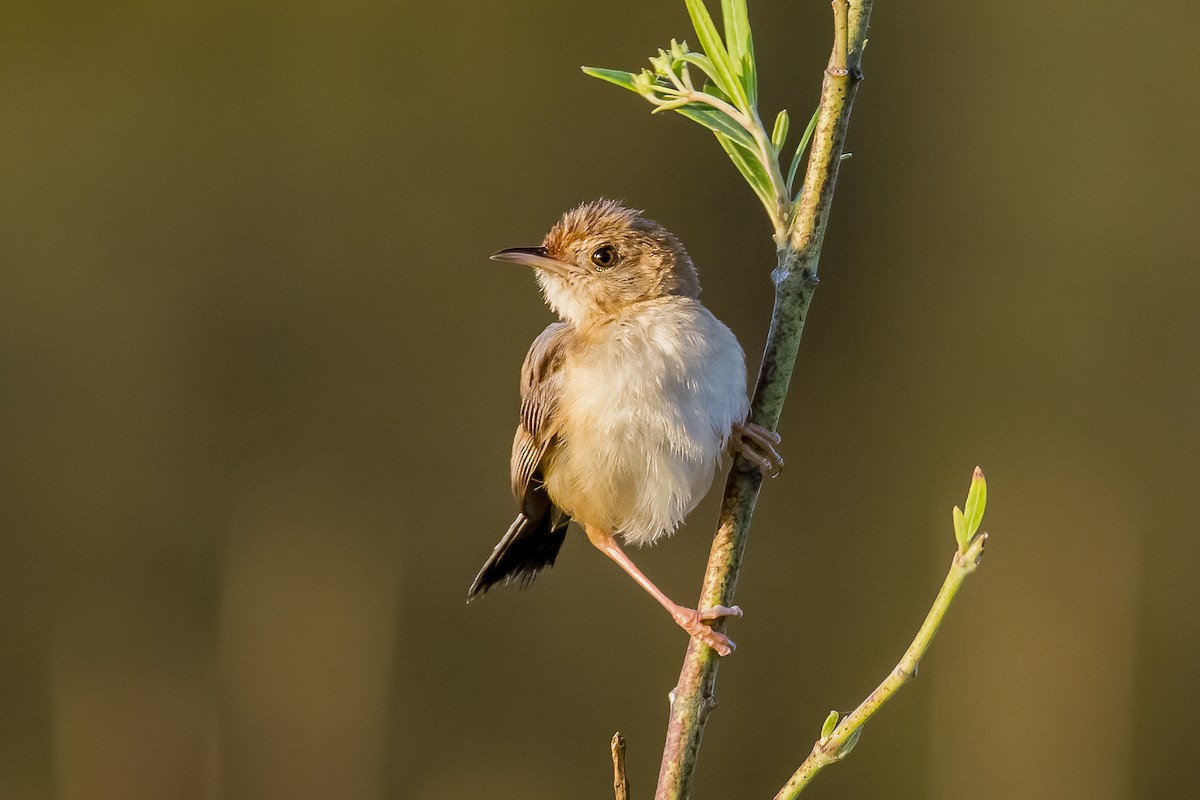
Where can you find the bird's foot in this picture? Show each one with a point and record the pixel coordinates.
(756, 444)
(693, 621)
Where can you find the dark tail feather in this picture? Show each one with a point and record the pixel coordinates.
(530, 546)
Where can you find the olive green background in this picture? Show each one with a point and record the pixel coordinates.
(259, 386)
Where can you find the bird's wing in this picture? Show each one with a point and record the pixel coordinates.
(541, 389)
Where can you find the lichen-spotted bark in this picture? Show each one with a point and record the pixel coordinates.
(795, 277)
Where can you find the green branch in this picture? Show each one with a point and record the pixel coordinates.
(839, 738)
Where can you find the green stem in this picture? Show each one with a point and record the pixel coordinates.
(795, 279)
(833, 748)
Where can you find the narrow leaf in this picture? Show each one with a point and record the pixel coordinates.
(976, 502)
(741, 45)
(750, 78)
(709, 117)
(808, 132)
(779, 134)
(706, 66)
(752, 170)
(830, 723)
(960, 530)
(616, 76)
(726, 77)
(717, 122)
(670, 105)
(733, 17)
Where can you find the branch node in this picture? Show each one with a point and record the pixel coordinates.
(969, 561)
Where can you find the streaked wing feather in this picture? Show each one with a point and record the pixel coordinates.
(541, 388)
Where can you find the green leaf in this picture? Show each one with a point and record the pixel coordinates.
(737, 27)
(616, 76)
(976, 502)
(741, 45)
(808, 132)
(727, 77)
(717, 122)
(752, 170)
(830, 723)
(670, 105)
(779, 134)
(960, 530)
(707, 67)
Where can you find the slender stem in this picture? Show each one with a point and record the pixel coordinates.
(833, 748)
(678, 82)
(620, 781)
(795, 280)
(840, 34)
(720, 105)
(687, 77)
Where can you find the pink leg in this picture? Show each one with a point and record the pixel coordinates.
(689, 619)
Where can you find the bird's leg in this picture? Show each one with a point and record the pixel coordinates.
(756, 444)
(690, 619)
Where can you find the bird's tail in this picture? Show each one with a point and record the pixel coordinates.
(530, 545)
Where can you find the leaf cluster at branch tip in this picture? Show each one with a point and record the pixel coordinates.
(968, 518)
(726, 101)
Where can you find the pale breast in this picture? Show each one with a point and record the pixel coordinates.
(649, 401)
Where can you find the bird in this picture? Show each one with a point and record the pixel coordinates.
(629, 401)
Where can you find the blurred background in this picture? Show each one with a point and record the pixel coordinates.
(260, 383)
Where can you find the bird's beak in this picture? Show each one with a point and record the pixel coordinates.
(532, 257)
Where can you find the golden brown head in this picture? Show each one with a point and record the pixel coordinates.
(602, 257)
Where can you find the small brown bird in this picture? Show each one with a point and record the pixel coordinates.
(627, 402)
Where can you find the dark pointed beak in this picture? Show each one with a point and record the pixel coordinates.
(532, 257)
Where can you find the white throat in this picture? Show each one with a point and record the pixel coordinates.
(562, 298)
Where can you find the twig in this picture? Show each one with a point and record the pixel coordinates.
(837, 745)
(795, 280)
(620, 782)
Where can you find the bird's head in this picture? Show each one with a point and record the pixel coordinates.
(602, 257)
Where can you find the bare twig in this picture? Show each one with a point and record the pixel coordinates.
(620, 782)
(837, 745)
(795, 279)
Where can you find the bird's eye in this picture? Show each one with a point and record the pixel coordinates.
(605, 257)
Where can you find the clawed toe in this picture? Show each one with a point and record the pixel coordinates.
(719, 612)
(757, 445)
(693, 621)
(717, 641)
